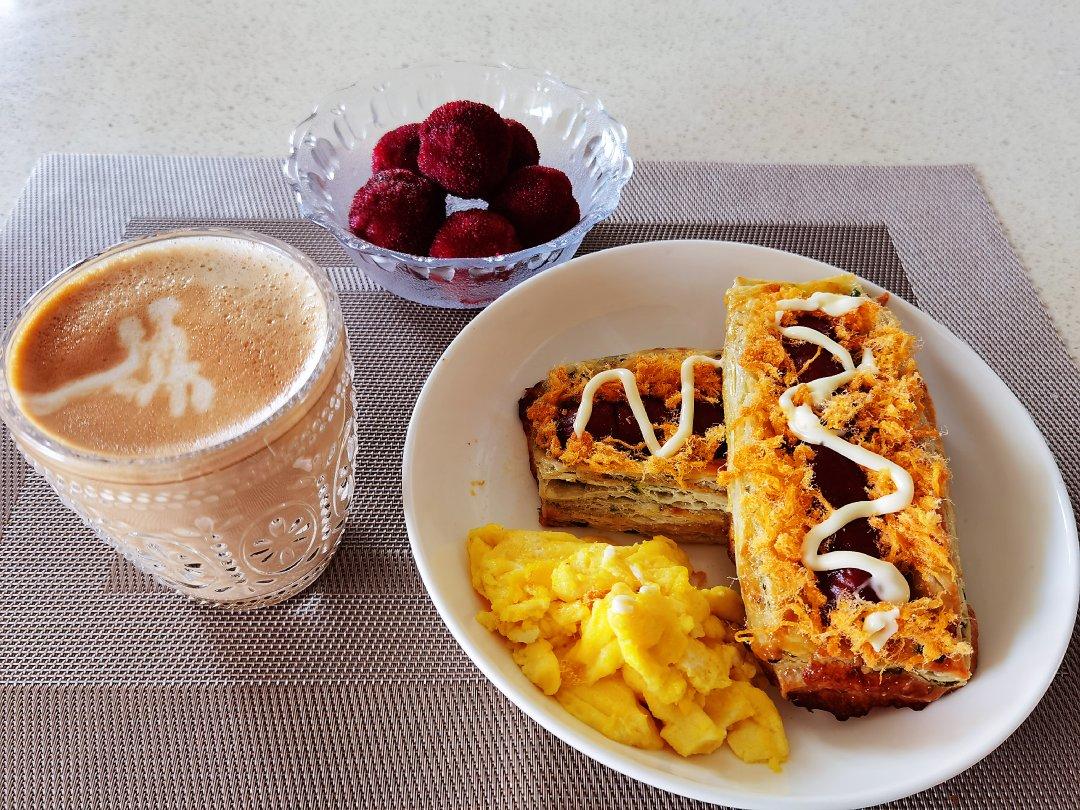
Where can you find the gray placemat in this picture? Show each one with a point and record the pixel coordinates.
(115, 694)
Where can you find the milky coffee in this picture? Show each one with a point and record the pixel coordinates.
(191, 398)
(168, 348)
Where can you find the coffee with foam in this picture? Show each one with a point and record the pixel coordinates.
(168, 348)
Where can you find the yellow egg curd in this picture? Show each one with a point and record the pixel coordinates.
(626, 642)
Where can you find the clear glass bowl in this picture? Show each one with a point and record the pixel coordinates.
(330, 158)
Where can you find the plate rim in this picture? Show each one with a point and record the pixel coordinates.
(678, 784)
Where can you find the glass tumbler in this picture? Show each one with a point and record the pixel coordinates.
(243, 523)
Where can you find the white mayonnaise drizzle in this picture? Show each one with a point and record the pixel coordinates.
(886, 580)
(881, 626)
(633, 397)
(832, 304)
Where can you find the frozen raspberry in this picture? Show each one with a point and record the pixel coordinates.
(397, 149)
(399, 210)
(523, 148)
(539, 201)
(474, 233)
(465, 148)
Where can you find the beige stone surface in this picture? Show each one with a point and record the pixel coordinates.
(995, 84)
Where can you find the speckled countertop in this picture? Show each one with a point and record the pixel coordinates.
(989, 83)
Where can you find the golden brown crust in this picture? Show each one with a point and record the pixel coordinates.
(847, 690)
(820, 652)
(608, 484)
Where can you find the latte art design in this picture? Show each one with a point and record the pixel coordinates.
(140, 354)
(152, 364)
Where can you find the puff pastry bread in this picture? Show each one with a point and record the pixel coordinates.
(607, 477)
(830, 639)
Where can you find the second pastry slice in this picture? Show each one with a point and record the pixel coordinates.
(631, 443)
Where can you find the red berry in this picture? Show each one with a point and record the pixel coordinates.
(399, 210)
(474, 233)
(539, 201)
(523, 148)
(397, 149)
(465, 148)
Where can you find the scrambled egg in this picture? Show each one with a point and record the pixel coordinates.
(625, 642)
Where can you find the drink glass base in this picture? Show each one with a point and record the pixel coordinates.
(263, 600)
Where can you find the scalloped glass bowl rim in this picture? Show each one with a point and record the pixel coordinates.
(351, 240)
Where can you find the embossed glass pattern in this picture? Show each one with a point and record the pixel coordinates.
(330, 158)
(243, 523)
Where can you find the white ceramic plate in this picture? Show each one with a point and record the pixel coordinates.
(1017, 534)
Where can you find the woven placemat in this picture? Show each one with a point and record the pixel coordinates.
(113, 693)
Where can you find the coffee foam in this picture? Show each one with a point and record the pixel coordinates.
(168, 347)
